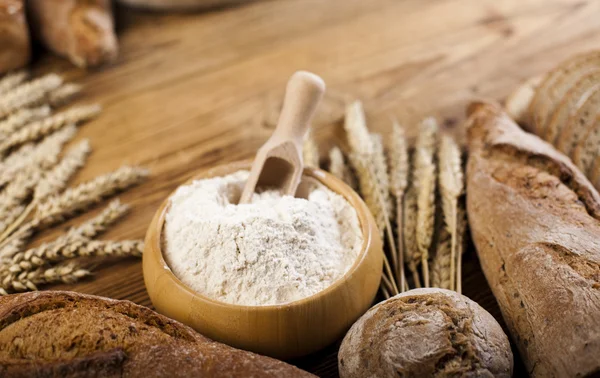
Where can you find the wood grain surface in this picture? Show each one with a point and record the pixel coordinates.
(193, 90)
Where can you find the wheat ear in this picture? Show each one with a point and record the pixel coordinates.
(62, 206)
(39, 129)
(28, 94)
(12, 80)
(451, 187)
(43, 156)
(440, 267)
(381, 171)
(63, 94)
(66, 273)
(22, 117)
(310, 151)
(339, 168)
(361, 158)
(425, 177)
(411, 250)
(399, 167)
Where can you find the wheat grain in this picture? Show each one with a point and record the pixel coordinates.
(12, 80)
(43, 155)
(63, 94)
(310, 151)
(425, 177)
(28, 94)
(441, 276)
(56, 179)
(451, 187)
(399, 170)
(60, 207)
(339, 168)
(20, 118)
(39, 129)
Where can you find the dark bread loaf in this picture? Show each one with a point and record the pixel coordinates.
(14, 35)
(534, 219)
(64, 334)
(426, 333)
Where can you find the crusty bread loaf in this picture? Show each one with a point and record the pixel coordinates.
(179, 4)
(81, 30)
(426, 333)
(14, 36)
(64, 334)
(535, 220)
(567, 108)
(554, 86)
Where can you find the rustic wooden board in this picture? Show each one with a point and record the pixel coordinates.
(191, 91)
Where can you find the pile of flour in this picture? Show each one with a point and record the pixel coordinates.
(275, 250)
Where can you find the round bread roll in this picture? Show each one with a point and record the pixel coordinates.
(426, 333)
(179, 4)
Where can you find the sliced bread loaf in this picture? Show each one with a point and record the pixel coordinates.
(586, 151)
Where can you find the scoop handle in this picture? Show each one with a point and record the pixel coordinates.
(303, 93)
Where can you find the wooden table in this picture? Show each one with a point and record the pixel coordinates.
(193, 90)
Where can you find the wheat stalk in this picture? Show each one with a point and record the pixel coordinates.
(49, 125)
(399, 170)
(451, 187)
(63, 94)
(310, 151)
(28, 94)
(12, 80)
(460, 242)
(43, 155)
(441, 275)
(381, 171)
(59, 207)
(18, 190)
(20, 118)
(425, 177)
(7, 218)
(339, 168)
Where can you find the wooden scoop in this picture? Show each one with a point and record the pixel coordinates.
(278, 163)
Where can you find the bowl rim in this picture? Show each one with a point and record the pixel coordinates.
(322, 176)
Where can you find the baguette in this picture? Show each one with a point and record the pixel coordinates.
(14, 36)
(534, 219)
(81, 30)
(65, 334)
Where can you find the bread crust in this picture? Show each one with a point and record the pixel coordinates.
(534, 219)
(425, 333)
(14, 36)
(81, 30)
(65, 334)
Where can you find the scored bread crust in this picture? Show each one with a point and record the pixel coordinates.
(534, 219)
(570, 103)
(81, 30)
(14, 36)
(425, 333)
(550, 90)
(66, 334)
(587, 147)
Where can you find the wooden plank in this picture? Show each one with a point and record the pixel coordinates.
(193, 90)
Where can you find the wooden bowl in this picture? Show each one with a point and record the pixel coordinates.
(283, 331)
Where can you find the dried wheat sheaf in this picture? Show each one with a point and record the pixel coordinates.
(35, 170)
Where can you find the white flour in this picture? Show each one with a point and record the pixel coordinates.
(274, 250)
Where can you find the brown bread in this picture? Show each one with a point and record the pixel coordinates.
(14, 36)
(426, 333)
(534, 219)
(65, 334)
(81, 30)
